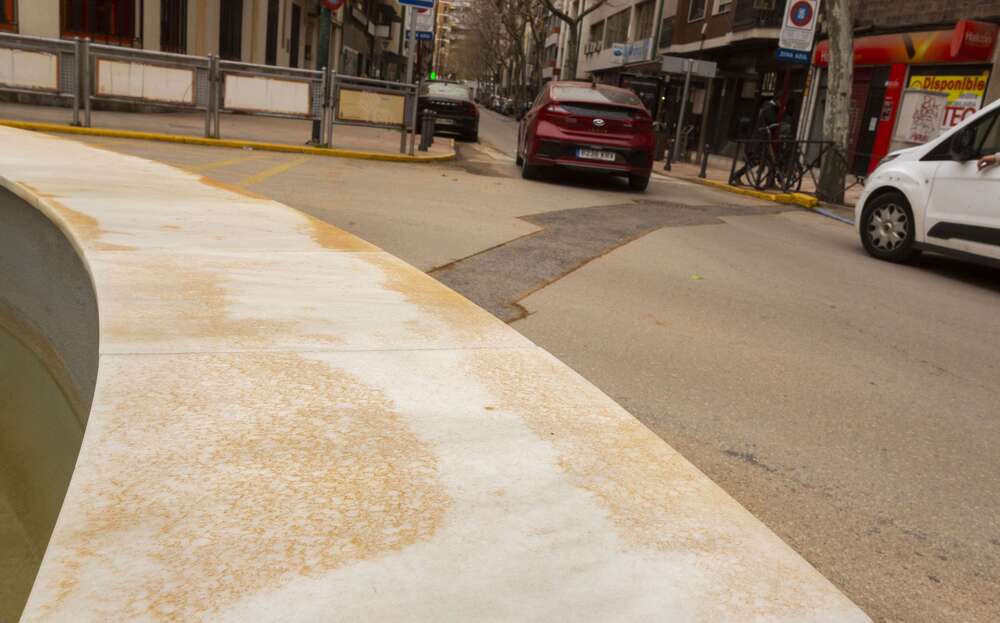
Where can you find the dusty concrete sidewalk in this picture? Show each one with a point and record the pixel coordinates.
(233, 127)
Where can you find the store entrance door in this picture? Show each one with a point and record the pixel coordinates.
(868, 121)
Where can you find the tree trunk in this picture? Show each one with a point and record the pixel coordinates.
(837, 119)
(572, 52)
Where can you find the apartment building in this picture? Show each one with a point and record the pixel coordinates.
(272, 32)
(944, 47)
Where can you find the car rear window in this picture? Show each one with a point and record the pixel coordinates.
(596, 95)
(445, 89)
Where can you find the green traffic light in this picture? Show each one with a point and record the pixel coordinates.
(434, 75)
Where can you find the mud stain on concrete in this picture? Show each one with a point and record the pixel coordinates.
(656, 499)
(163, 298)
(333, 238)
(86, 227)
(453, 312)
(228, 475)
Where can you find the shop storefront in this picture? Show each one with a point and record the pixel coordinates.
(954, 66)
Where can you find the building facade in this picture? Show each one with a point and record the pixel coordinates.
(366, 35)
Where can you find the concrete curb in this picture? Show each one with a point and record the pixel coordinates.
(232, 143)
(799, 199)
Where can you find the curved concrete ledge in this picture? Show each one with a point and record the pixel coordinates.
(292, 425)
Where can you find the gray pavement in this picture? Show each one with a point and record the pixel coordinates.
(850, 404)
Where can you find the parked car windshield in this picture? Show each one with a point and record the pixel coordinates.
(595, 95)
(447, 89)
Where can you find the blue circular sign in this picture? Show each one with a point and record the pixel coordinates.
(801, 13)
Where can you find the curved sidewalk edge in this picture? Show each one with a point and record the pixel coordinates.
(233, 143)
(291, 424)
(799, 199)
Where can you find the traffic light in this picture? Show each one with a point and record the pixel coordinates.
(434, 75)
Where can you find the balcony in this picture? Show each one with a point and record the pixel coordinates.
(758, 14)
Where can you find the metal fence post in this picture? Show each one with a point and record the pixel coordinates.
(404, 129)
(323, 100)
(208, 102)
(414, 114)
(77, 55)
(332, 116)
(85, 84)
(214, 95)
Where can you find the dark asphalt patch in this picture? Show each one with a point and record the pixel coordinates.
(496, 279)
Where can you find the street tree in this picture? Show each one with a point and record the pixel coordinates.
(837, 117)
(573, 18)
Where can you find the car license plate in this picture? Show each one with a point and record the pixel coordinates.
(593, 154)
(444, 121)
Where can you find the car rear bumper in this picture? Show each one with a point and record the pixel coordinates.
(447, 123)
(628, 160)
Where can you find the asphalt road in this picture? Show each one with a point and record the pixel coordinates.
(852, 405)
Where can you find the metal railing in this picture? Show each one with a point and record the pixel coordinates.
(782, 164)
(85, 73)
(65, 84)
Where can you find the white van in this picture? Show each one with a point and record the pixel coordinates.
(935, 198)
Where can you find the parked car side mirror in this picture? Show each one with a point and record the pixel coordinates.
(963, 145)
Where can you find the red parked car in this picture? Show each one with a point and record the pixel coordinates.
(594, 127)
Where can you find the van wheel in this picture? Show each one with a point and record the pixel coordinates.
(887, 228)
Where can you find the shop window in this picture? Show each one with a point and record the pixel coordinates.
(8, 15)
(231, 29)
(616, 30)
(696, 10)
(104, 21)
(173, 26)
(721, 6)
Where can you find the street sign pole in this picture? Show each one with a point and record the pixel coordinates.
(680, 115)
(410, 40)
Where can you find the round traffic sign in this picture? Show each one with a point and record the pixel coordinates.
(801, 14)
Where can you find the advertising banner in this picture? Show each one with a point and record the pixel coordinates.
(964, 93)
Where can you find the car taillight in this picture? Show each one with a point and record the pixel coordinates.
(554, 113)
(639, 121)
(471, 108)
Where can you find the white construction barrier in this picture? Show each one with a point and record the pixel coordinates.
(267, 95)
(144, 81)
(29, 70)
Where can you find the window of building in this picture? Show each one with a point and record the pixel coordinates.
(8, 15)
(696, 10)
(271, 37)
(616, 30)
(667, 32)
(721, 6)
(231, 29)
(104, 21)
(596, 36)
(643, 20)
(173, 26)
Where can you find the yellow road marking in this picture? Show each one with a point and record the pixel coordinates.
(269, 173)
(219, 164)
(215, 142)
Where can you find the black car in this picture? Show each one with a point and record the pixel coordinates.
(453, 106)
